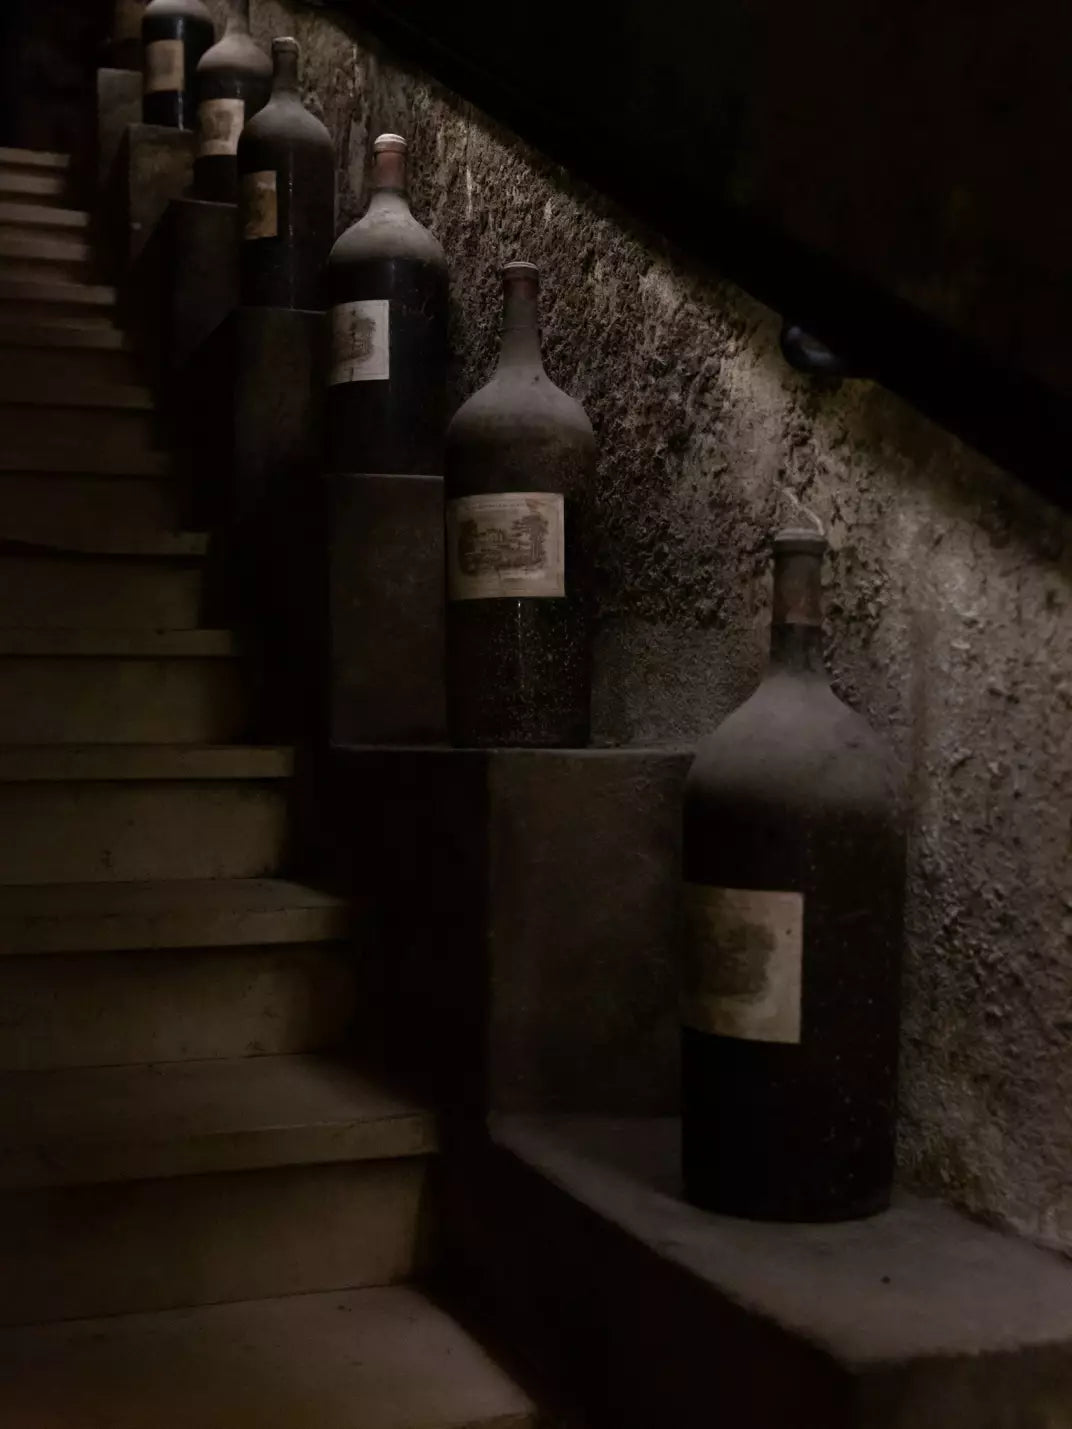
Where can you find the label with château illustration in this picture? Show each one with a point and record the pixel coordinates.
(743, 957)
(219, 124)
(165, 66)
(260, 213)
(361, 341)
(508, 544)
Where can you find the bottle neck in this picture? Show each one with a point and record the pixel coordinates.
(238, 18)
(285, 78)
(387, 182)
(797, 619)
(519, 344)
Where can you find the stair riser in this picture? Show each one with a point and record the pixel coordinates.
(25, 186)
(70, 270)
(43, 242)
(198, 1240)
(48, 592)
(49, 375)
(109, 1009)
(115, 831)
(73, 700)
(30, 310)
(62, 438)
(85, 513)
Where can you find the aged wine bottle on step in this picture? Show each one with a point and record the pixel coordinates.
(519, 459)
(792, 929)
(124, 51)
(175, 34)
(387, 286)
(234, 80)
(286, 181)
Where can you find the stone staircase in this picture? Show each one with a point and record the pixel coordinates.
(207, 1215)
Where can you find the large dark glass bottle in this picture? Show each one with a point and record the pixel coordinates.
(124, 51)
(234, 80)
(286, 178)
(519, 459)
(794, 883)
(387, 286)
(175, 34)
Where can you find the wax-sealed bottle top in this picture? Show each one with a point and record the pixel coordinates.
(286, 62)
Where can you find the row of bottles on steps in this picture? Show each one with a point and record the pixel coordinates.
(793, 842)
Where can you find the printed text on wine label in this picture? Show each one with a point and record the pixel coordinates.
(743, 956)
(361, 341)
(260, 212)
(165, 66)
(508, 544)
(219, 124)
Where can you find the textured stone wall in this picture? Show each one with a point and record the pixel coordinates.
(949, 593)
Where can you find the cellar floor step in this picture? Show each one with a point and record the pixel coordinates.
(32, 763)
(197, 913)
(133, 1123)
(352, 1359)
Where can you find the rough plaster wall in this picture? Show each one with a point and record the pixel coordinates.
(949, 593)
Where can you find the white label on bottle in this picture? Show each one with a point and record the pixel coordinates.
(165, 66)
(744, 954)
(361, 341)
(128, 15)
(219, 123)
(509, 544)
(260, 212)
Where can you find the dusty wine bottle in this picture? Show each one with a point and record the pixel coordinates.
(175, 34)
(286, 186)
(793, 862)
(234, 80)
(124, 50)
(518, 463)
(387, 286)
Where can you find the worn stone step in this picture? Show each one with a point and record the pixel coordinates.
(59, 438)
(29, 298)
(34, 159)
(111, 1009)
(40, 376)
(46, 590)
(212, 913)
(26, 214)
(365, 1359)
(42, 187)
(57, 330)
(70, 512)
(90, 1124)
(39, 253)
(159, 690)
(123, 813)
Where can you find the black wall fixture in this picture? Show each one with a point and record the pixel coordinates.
(888, 174)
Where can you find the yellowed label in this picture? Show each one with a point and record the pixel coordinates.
(511, 543)
(260, 211)
(743, 961)
(165, 66)
(219, 124)
(127, 24)
(361, 341)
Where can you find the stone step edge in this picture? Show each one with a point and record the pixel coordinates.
(34, 159)
(168, 915)
(116, 763)
(27, 214)
(31, 643)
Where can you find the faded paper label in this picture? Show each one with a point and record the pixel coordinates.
(165, 66)
(219, 124)
(511, 543)
(128, 14)
(744, 951)
(260, 211)
(361, 341)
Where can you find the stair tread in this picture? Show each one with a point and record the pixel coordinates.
(34, 158)
(60, 332)
(168, 913)
(41, 215)
(133, 644)
(45, 763)
(92, 1124)
(52, 540)
(383, 1358)
(55, 290)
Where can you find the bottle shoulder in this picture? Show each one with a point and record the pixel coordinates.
(794, 746)
(236, 52)
(284, 121)
(521, 404)
(389, 233)
(178, 9)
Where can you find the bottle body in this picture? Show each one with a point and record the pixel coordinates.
(388, 290)
(519, 461)
(234, 82)
(124, 51)
(175, 34)
(793, 861)
(286, 183)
